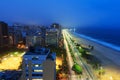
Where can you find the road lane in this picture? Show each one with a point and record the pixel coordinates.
(72, 76)
(87, 69)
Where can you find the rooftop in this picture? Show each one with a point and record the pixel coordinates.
(43, 53)
(51, 30)
(38, 51)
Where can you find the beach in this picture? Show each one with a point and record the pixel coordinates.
(110, 58)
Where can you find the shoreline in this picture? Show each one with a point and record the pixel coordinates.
(98, 42)
(110, 58)
(107, 52)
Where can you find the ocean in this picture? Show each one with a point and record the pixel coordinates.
(107, 36)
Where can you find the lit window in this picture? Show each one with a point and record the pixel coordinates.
(46, 34)
(38, 70)
(37, 79)
(37, 65)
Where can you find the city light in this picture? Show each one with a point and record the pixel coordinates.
(38, 70)
(11, 55)
(58, 62)
(111, 78)
(11, 62)
(21, 46)
(39, 33)
(5, 59)
(16, 53)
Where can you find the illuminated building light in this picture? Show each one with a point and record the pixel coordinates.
(38, 70)
(37, 79)
(36, 65)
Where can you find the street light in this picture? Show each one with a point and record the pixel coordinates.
(11, 55)
(16, 53)
(111, 78)
(5, 58)
(5, 36)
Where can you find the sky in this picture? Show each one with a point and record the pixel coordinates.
(65, 12)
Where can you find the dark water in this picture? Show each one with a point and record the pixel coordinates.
(106, 34)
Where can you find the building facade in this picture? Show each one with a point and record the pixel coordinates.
(17, 34)
(39, 64)
(4, 39)
(51, 38)
(35, 39)
(58, 27)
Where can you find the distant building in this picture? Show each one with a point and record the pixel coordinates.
(39, 64)
(11, 35)
(17, 34)
(4, 39)
(42, 36)
(17, 37)
(51, 37)
(35, 38)
(58, 27)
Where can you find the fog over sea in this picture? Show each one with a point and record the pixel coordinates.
(107, 36)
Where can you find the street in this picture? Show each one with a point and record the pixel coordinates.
(87, 71)
(72, 75)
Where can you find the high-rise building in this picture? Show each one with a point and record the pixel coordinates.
(51, 38)
(39, 64)
(11, 35)
(19, 34)
(4, 39)
(58, 27)
(35, 38)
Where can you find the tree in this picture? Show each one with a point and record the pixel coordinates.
(77, 68)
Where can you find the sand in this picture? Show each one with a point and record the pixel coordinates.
(109, 57)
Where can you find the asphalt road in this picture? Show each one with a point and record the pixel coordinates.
(87, 71)
(72, 75)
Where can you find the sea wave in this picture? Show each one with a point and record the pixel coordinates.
(110, 45)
